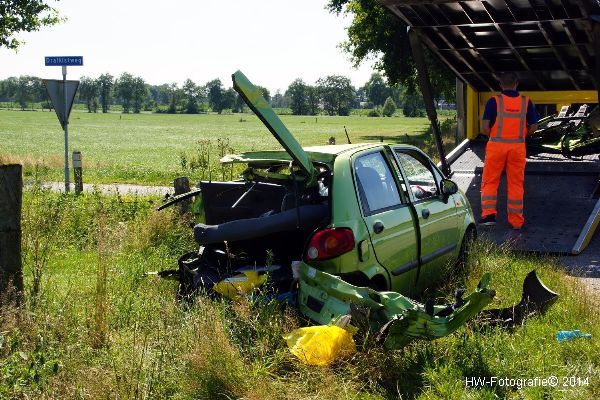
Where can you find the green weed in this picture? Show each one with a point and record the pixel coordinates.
(154, 348)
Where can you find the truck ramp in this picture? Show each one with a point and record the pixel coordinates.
(561, 204)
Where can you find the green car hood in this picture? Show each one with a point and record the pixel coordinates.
(396, 319)
(257, 103)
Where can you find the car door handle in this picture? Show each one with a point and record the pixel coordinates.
(425, 213)
(378, 227)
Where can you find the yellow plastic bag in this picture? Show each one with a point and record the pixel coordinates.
(320, 345)
(240, 284)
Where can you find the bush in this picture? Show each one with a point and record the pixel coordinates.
(373, 113)
(389, 107)
(413, 106)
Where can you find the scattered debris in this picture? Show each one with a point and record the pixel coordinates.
(321, 344)
(396, 319)
(565, 336)
(535, 299)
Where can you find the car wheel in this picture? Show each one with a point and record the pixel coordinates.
(378, 283)
(466, 246)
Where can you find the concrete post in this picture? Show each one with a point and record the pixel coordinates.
(78, 171)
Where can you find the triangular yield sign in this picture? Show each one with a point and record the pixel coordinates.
(54, 87)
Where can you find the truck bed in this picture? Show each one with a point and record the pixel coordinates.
(559, 200)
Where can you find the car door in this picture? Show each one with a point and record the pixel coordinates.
(437, 218)
(388, 218)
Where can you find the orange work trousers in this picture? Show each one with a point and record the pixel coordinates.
(499, 156)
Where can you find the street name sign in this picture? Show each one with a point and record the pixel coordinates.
(63, 61)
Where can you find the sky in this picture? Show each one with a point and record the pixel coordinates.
(272, 41)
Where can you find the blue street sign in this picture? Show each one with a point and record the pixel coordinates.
(64, 60)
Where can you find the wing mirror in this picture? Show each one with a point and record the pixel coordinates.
(448, 188)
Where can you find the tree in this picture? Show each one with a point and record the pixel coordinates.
(228, 99)
(313, 100)
(88, 92)
(337, 94)
(38, 90)
(124, 89)
(280, 100)
(377, 90)
(9, 88)
(398, 94)
(23, 16)
(191, 94)
(140, 93)
(23, 93)
(376, 33)
(214, 91)
(175, 95)
(297, 92)
(105, 88)
(389, 107)
(160, 95)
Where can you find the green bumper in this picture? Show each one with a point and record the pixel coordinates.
(397, 319)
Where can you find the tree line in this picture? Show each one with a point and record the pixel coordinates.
(330, 95)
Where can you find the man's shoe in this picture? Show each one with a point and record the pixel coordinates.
(488, 220)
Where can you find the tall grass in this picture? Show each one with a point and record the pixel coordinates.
(154, 348)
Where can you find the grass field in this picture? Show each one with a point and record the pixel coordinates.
(147, 148)
(93, 327)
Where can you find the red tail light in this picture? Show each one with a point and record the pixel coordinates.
(329, 243)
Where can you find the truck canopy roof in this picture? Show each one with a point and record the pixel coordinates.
(549, 43)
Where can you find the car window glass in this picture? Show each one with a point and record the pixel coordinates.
(421, 181)
(376, 184)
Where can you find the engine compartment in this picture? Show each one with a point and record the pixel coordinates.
(260, 223)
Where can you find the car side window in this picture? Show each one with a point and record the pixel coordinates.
(375, 183)
(421, 180)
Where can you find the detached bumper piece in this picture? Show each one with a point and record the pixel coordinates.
(536, 299)
(397, 319)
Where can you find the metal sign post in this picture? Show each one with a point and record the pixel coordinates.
(65, 108)
(66, 127)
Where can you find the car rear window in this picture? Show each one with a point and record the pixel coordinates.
(376, 185)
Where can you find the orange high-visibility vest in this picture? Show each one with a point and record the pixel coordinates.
(511, 119)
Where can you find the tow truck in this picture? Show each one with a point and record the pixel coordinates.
(554, 48)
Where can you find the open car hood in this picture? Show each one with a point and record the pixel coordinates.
(257, 103)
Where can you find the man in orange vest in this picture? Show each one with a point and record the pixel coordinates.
(508, 118)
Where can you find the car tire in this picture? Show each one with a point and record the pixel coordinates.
(465, 247)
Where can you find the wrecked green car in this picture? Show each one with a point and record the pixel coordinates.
(377, 215)
(356, 224)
